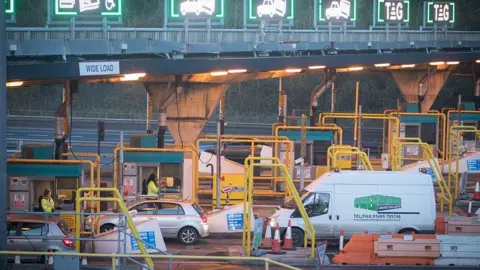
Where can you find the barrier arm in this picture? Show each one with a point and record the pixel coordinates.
(122, 207)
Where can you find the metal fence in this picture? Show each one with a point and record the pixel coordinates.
(183, 35)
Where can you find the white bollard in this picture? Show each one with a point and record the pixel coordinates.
(342, 234)
(469, 208)
(84, 261)
(17, 259)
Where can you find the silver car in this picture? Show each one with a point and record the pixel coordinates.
(185, 221)
(32, 233)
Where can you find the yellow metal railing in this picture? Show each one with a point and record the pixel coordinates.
(369, 116)
(253, 140)
(334, 151)
(248, 201)
(123, 208)
(432, 162)
(457, 136)
(113, 257)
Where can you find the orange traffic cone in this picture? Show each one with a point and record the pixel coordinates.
(267, 241)
(276, 248)
(288, 243)
(476, 194)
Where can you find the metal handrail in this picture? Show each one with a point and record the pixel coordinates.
(248, 200)
(114, 256)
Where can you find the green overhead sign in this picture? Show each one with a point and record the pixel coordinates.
(196, 9)
(104, 8)
(440, 12)
(9, 6)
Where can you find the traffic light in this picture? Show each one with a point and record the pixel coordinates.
(101, 131)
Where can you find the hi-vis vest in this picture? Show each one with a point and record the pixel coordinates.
(47, 205)
(152, 188)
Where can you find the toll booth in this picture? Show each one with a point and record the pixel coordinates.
(317, 143)
(142, 158)
(428, 127)
(466, 117)
(27, 180)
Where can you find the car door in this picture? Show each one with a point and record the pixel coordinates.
(171, 218)
(318, 208)
(14, 242)
(145, 211)
(34, 236)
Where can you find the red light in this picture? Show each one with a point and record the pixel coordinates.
(67, 242)
(204, 219)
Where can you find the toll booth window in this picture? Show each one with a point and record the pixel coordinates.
(170, 209)
(320, 152)
(317, 204)
(429, 133)
(411, 131)
(145, 208)
(34, 229)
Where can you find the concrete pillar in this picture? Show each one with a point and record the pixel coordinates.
(188, 107)
(409, 80)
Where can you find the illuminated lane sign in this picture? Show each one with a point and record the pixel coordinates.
(88, 7)
(393, 11)
(440, 12)
(271, 9)
(337, 10)
(9, 6)
(196, 8)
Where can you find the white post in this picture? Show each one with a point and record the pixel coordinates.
(342, 234)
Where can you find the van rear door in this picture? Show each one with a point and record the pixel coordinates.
(355, 209)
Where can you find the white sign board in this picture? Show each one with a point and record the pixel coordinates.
(99, 68)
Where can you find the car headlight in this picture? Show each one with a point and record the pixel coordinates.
(272, 222)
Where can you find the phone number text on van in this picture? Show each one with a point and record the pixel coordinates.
(388, 217)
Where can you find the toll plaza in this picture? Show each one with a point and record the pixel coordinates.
(263, 199)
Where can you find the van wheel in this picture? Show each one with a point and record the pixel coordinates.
(297, 237)
(408, 231)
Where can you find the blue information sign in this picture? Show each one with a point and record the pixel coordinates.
(235, 221)
(148, 238)
(473, 165)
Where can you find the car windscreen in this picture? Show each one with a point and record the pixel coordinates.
(64, 227)
(198, 208)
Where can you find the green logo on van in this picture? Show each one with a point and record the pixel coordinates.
(378, 203)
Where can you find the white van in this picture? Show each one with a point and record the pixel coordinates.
(359, 201)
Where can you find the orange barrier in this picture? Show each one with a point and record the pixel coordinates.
(440, 225)
(463, 226)
(360, 250)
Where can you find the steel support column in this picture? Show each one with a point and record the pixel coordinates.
(3, 139)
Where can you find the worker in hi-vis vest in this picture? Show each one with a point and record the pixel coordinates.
(152, 185)
(48, 205)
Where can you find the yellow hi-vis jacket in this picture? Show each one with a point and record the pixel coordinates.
(48, 205)
(152, 188)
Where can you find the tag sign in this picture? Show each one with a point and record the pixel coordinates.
(257, 233)
(440, 12)
(99, 68)
(394, 11)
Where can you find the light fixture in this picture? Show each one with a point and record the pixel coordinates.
(129, 79)
(14, 84)
(453, 63)
(316, 67)
(135, 75)
(293, 70)
(439, 63)
(219, 73)
(382, 65)
(355, 68)
(478, 61)
(408, 66)
(235, 71)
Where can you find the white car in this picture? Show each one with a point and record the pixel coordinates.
(185, 221)
(197, 7)
(338, 10)
(272, 8)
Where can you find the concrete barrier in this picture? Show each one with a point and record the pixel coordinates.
(459, 250)
(219, 221)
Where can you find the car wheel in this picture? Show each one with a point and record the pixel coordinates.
(297, 237)
(188, 236)
(106, 228)
(408, 231)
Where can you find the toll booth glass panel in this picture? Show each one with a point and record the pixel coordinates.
(320, 152)
(470, 136)
(412, 131)
(168, 178)
(428, 134)
(66, 192)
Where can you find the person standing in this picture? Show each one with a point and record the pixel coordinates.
(47, 203)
